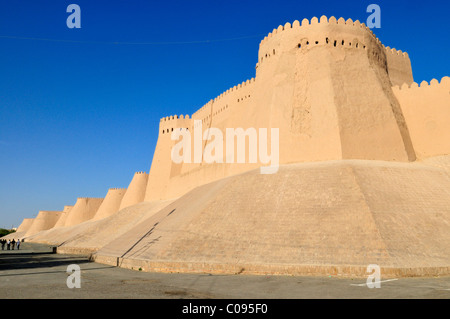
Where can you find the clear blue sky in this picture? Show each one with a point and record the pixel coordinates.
(81, 115)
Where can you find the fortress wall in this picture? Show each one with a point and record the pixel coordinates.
(204, 174)
(62, 220)
(398, 62)
(25, 225)
(283, 97)
(162, 165)
(136, 190)
(226, 111)
(399, 67)
(427, 113)
(325, 84)
(169, 123)
(160, 168)
(337, 213)
(329, 82)
(218, 109)
(111, 203)
(225, 104)
(84, 209)
(221, 113)
(332, 32)
(175, 168)
(204, 112)
(43, 221)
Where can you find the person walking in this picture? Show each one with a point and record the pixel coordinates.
(3, 242)
(8, 245)
(13, 243)
(18, 244)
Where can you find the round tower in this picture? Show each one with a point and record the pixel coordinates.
(43, 221)
(84, 209)
(136, 190)
(326, 84)
(110, 204)
(163, 167)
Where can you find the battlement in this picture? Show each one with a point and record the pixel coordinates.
(117, 189)
(89, 198)
(233, 89)
(169, 123)
(424, 84)
(332, 32)
(396, 52)
(324, 21)
(399, 66)
(141, 173)
(173, 117)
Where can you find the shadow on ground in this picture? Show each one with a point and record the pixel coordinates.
(31, 260)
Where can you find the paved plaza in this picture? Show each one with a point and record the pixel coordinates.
(36, 272)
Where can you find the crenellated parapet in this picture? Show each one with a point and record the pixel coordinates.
(235, 89)
(332, 32)
(173, 117)
(135, 191)
(434, 83)
(225, 101)
(169, 123)
(395, 52)
(307, 26)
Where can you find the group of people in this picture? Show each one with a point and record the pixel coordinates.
(10, 244)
